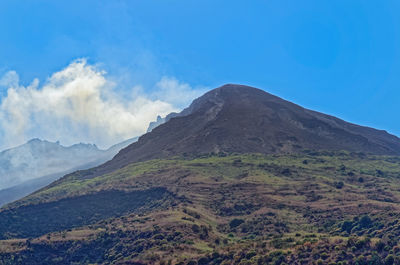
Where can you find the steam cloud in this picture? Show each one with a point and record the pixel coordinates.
(79, 104)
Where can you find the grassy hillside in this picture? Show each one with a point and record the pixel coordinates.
(310, 208)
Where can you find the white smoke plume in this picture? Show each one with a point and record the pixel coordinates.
(79, 104)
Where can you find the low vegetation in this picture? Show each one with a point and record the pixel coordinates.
(309, 208)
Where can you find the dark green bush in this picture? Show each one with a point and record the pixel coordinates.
(236, 222)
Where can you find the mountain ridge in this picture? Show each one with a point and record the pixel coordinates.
(44, 162)
(268, 124)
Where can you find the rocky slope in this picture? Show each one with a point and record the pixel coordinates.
(242, 119)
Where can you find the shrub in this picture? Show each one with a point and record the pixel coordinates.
(339, 184)
(195, 228)
(365, 221)
(347, 226)
(250, 254)
(389, 260)
(202, 261)
(236, 222)
(379, 246)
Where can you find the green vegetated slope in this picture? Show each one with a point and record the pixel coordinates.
(309, 208)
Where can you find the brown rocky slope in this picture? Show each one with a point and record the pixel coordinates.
(243, 119)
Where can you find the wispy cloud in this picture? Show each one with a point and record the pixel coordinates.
(177, 93)
(80, 104)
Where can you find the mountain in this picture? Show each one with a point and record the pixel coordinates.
(38, 158)
(37, 163)
(242, 119)
(161, 120)
(239, 177)
(155, 123)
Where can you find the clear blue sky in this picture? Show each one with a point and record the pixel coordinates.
(337, 57)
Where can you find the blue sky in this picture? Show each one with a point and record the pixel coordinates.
(337, 57)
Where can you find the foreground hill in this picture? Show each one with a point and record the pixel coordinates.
(213, 196)
(248, 209)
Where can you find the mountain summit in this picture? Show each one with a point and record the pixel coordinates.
(243, 119)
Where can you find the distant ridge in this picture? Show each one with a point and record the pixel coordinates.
(35, 164)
